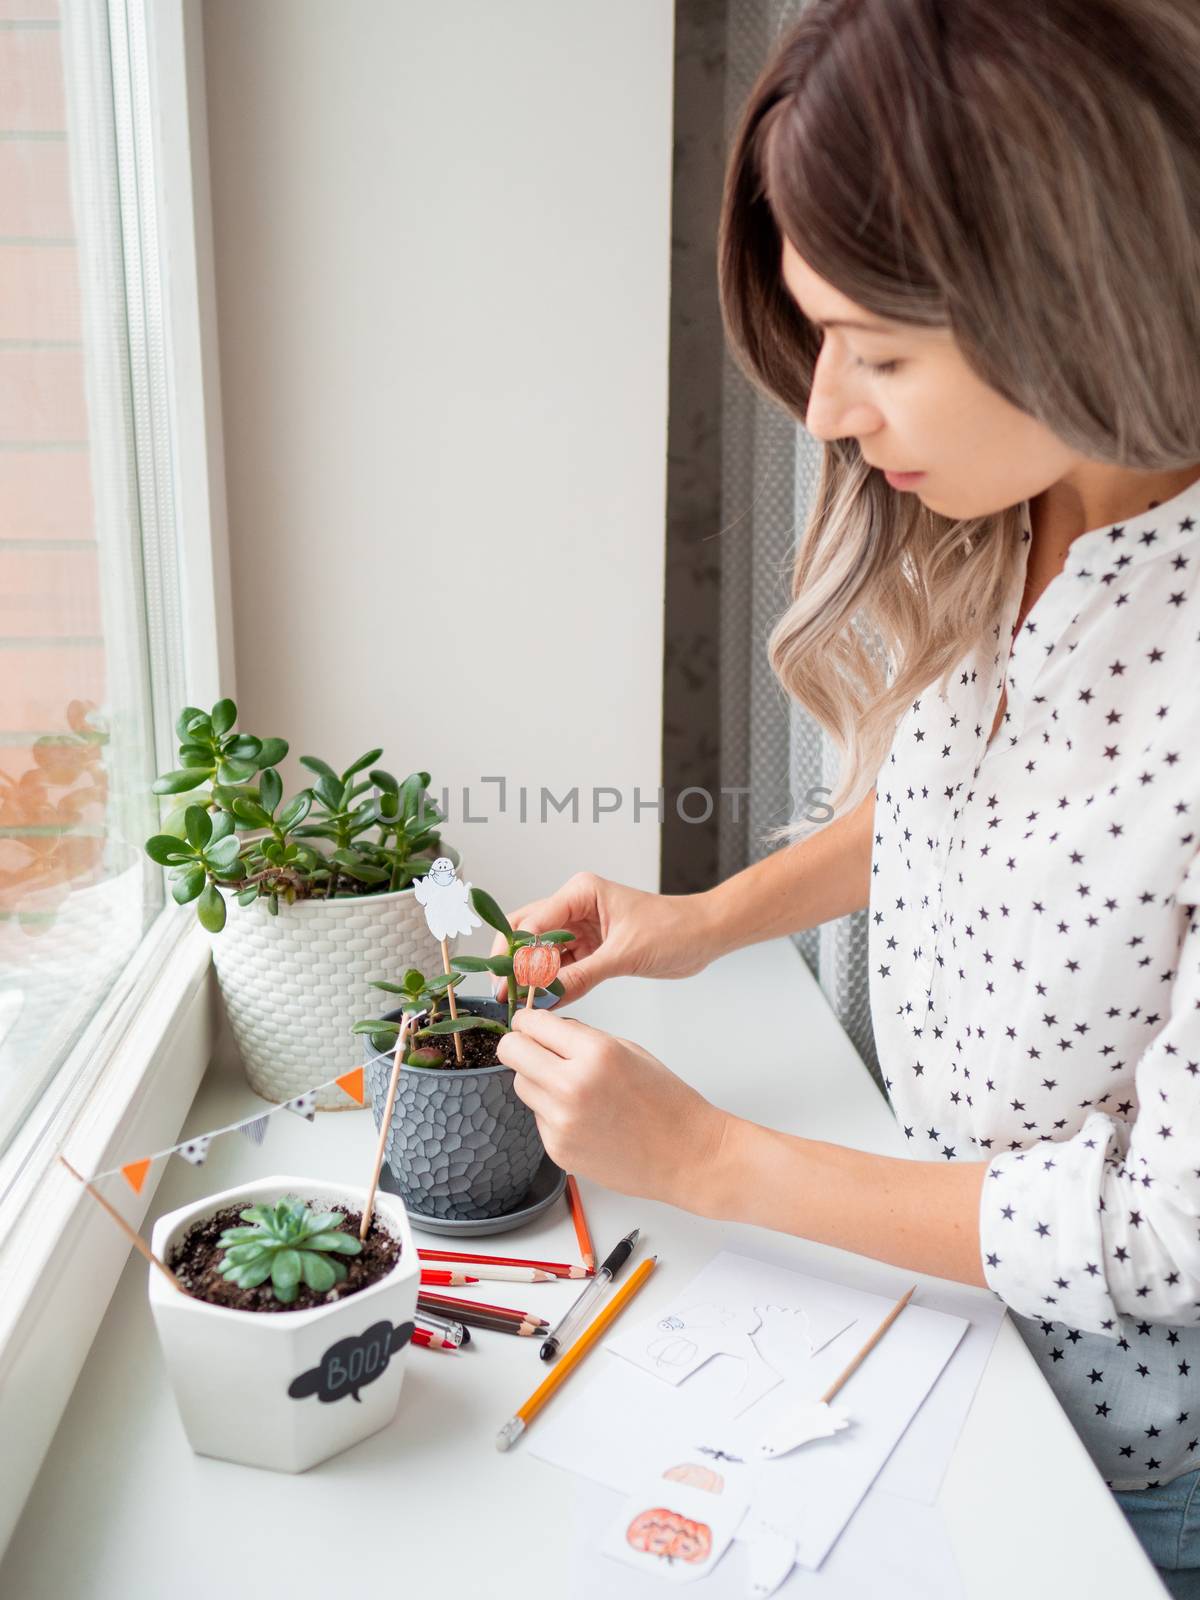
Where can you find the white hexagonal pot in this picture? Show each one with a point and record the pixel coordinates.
(286, 1389)
(294, 985)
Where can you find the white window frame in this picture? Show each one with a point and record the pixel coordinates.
(129, 1081)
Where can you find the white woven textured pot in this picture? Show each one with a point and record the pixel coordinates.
(295, 984)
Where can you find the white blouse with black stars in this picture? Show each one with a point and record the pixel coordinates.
(1035, 972)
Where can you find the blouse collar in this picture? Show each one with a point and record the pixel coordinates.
(1106, 553)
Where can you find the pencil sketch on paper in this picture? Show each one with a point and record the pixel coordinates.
(681, 1342)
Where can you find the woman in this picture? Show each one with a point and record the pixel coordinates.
(959, 243)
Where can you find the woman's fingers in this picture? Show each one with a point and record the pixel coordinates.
(573, 906)
(564, 1037)
(529, 1059)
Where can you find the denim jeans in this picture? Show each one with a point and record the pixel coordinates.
(1167, 1523)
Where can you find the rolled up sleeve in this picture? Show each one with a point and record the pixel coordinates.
(1101, 1230)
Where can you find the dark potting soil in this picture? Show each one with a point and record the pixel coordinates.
(478, 1046)
(197, 1258)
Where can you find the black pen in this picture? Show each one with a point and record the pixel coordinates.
(577, 1315)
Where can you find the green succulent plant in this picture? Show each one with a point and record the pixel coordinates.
(421, 994)
(290, 1244)
(231, 828)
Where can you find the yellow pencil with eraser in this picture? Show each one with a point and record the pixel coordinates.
(524, 1414)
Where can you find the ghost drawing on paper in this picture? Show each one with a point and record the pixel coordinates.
(680, 1343)
(446, 900)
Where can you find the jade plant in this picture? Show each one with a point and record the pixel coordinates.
(230, 827)
(289, 1244)
(422, 995)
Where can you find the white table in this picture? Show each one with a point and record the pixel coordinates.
(123, 1510)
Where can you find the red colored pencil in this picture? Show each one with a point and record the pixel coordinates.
(560, 1269)
(446, 1279)
(432, 1341)
(575, 1201)
(450, 1302)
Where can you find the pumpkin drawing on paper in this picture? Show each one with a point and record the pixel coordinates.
(660, 1532)
(536, 964)
(699, 1477)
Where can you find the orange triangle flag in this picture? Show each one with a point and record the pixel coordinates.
(352, 1083)
(135, 1174)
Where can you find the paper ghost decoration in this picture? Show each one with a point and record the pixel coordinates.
(771, 1552)
(799, 1424)
(446, 900)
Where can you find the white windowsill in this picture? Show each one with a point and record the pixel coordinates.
(62, 1256)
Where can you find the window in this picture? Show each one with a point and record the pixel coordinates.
(91, 647)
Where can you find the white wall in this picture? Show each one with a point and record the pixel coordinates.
(442, 263)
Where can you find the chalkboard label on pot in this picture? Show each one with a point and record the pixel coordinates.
(350, 1363)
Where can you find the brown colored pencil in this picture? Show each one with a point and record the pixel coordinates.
(587, 1250)
(480, 1319)
(433, 1300)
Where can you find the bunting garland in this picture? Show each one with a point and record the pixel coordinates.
(253, 1128)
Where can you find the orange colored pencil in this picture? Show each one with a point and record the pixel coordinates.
(595, 1330)
(575, 1201)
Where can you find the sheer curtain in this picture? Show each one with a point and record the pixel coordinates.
(771, 749)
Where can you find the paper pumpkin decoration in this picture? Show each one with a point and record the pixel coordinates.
(662, 1532)
(536, 964)
(700, 1477)
(446, 900)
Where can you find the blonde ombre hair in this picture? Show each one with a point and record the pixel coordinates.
(1026, 174)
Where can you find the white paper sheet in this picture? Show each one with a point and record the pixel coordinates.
(891, 1547)
(918, 1464)
(621, 1416)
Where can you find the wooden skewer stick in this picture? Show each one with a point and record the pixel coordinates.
(869, 1346)
(530, 993)
(134, 1238)
(458, 1055)
(401, 1039)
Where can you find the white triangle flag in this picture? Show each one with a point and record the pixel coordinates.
(195, 1150)
(304, 1105)
(255, 1130)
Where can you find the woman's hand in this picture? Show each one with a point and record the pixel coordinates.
(609, 1110)
(619, 932)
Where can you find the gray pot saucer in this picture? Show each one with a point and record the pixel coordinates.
(549, 1182)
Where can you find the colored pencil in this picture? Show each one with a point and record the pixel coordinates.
(560, 1269)
(446, 1279)
(480, 1319)
(427, 1339)
(486, 1270)
(447, 1304)
(524, 1414)
(587, 1250)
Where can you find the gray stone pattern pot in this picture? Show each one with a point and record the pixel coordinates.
(461, 1144)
